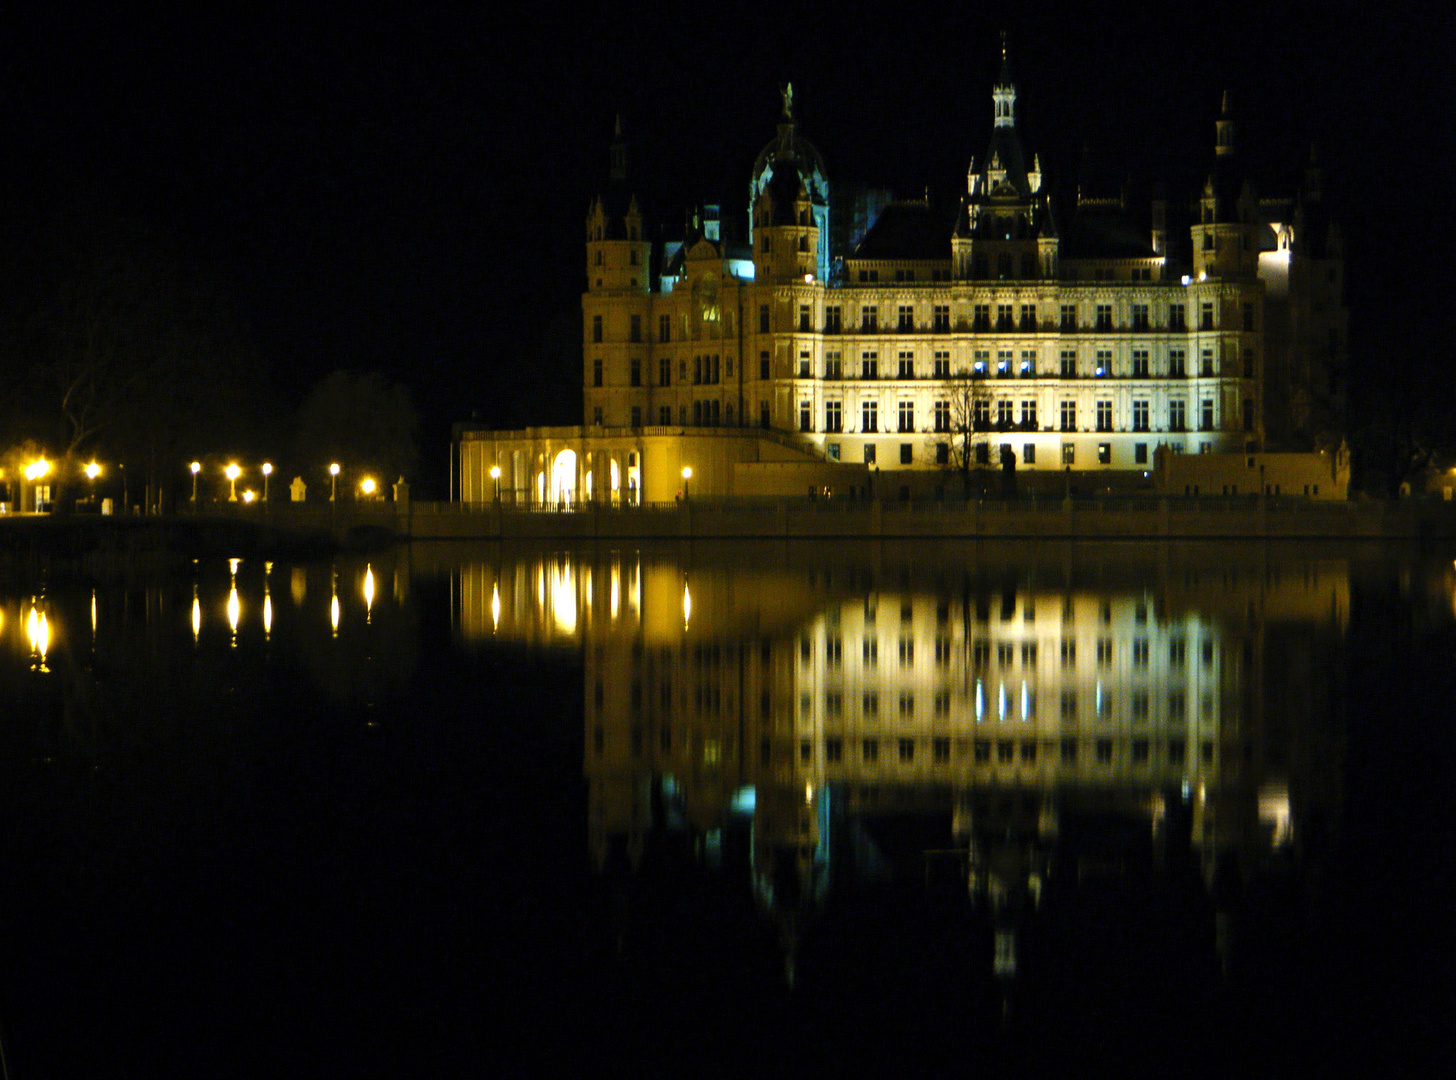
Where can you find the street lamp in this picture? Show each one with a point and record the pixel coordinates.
(333, 480)
(495, 475)
(267, 472)
(196, 467)
(93, 471)
(232, 472)
(687, 474)
(367, 486)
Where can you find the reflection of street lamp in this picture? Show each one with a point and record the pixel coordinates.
(196, 468)
(232, 472)
(267, 472)
(333, 480)
(249, 495)
(495, 475)
(687, 474)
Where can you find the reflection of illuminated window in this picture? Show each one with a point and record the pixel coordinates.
(982, 751)
(871, 652)
(907, 706)
(1028, 752)
(1069, 705)
(1005, 752)
(1069, 653)
(942, 652)
(907, 751)
(1103, 750)
(1028, 654)
(1069, 751)
(806, 751)
(1177, 652)
(1207, 751)
(806, 648)
(1140, 653)
(1104, 651)
(833, 750)
(1140, 705)
(942, 703)
(806, 706)
(712, 752)
(1140, 751)
(907, 652)
(1177, 751)
(1208, 652)
(1177, 705)
(833, 651)
(870, 750)
(981, 654)
(1005, 654)
(871, 706)
(833, 703)
(940, 750)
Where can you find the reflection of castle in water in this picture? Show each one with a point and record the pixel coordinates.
(1007, 707)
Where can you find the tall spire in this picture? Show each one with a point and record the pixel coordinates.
(1225, 144)
(617, 169)
(1003, 94)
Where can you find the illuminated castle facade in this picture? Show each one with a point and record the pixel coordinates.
(919, 341)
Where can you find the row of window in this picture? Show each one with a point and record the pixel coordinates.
(979, 416)
(1009, 751)
(1023, 317)
(1010, 363)
(1007, 651)
(1023, 706)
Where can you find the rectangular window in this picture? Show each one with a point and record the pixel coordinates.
(982, 317)
(833, 417)
(1069, 453)
(1248, 414)
(1103, 367)
(1205, 421)
(907, 706)
(832, 324)
(764, 416)
(1177, 416)
(1177, 318)
(1028, 414)
(1140, 416)
(1069, 363)
(1069, 416)
(1028, 453)
(1104, 416)
(1177, 363)
(664, 372)
(907, 365)
(941, 369)
(832, 367)
(1248, 359)
(869, 417)
(907, 454)
(981, 361)
(1003, 317)
(869, 365)
(1028, 316)
(804, 314)
(805, 368)
(1248, 313)
(596, 373)
(1104, 453)
(1205, 315)
(1140, 363)
(1139, 316)
(1003, 362)
(905, 318)
(1028, 363)
(1005, 411)
(942, 453)
(942, 416)
(1205, 363)
(636, 372)
(869, 453)
(763, 318)
(907, 416)
(636, 416)
(763, 372)
(1068, 317)
(870, 751)
(664, 415)
(596, 328)
(981, 415)
(634, 331)
(907, 751)
(1104, 316)
(597, 415)
(806, 418)
(940, 318)
(869, 318)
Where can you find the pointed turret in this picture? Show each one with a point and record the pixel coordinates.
(788, 204)
(617, 249)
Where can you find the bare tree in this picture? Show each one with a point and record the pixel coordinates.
(969, 400)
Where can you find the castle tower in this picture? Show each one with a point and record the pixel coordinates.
(788, 205)
(1224, 241)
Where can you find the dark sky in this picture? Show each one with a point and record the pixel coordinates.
(406, 191)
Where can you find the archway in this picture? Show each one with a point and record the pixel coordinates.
(563, 478)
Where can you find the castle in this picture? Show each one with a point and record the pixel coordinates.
(1008, 334)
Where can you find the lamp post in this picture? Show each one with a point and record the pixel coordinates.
(267, 472)
(333, 480)
(495, 475)
(232, 472)
(196, 468)
(92, 471)
(687, 474)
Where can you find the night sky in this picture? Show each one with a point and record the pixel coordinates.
(406, 192)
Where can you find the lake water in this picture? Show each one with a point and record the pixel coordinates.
(463, 810)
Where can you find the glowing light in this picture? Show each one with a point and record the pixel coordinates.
(616, 590)
(235, 612)
(233, 565)
(93, 613)
(267, 613)
(196, 467)
(334, 468)
(38, 630)
(298, 585)
(495, 472)
(267, 468)
(249, 495)
(495, 607)
(196, 616)
(808, 793)
(36, 469)
(93, 470)
(980, 701)
(687, 472)
(1001, 703)
(687, 605)
(367, 485)
(334, 613)
(563, 597)
(1025, 701)
(232, 472)
(368, 591)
